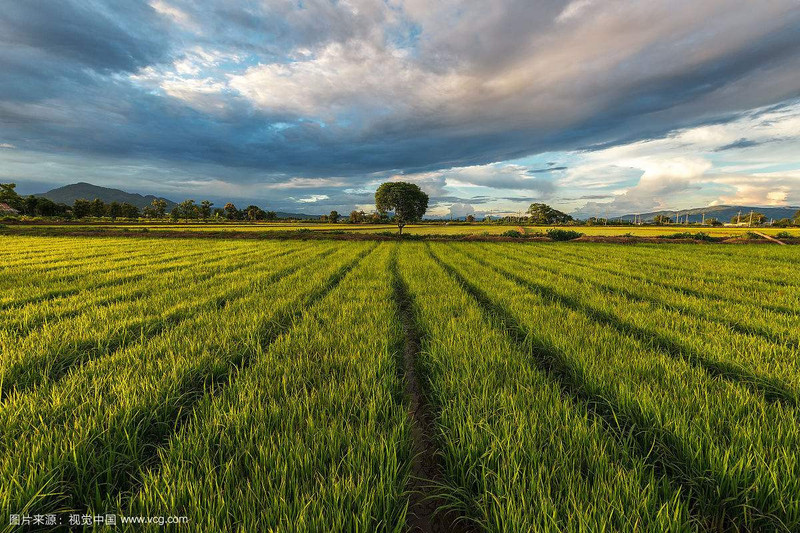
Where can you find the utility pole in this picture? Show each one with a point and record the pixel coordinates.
(750, 224)
(704, 219)
(739, 218)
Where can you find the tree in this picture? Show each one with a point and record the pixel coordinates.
(756, 218)
(156, 209)
(98, 208)
(114, 210)
(797, 218)
(270, 216)
(713, 222)
(129, 210)
(253, 212)
(231, 213)
(334, 217)
(546, 215)
(356, 217)
(187, 209)
(407, 200)
(470, 218)
(9, 196)
(81, 208)
(205, 209)
(662, 220)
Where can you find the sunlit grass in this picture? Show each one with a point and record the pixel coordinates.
(257, 385)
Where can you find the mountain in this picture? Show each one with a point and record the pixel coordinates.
(723, 213)
(296, 216)
(86, 191)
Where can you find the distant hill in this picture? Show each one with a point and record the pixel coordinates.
(723, 213)
(298, 216)
(86, 191)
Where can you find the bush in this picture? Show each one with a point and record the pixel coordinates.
(563, 234)
(780, 235)
(751, 235)
(303, 230)
(511, 233)
(699, 236)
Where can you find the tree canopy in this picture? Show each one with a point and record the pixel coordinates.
(544, 214)
(407, 200)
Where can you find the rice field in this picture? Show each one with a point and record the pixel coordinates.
(443, 228)
(399, 386)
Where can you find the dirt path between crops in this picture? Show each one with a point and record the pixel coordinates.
(425, 500)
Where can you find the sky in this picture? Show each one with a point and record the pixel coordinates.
(596, 107)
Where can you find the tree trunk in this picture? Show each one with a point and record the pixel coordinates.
(401, 228)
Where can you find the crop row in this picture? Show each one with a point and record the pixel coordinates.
(730, 448)
(70, 443)
(263, 386)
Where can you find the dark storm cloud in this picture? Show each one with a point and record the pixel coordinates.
(350, 89)
(109, 37)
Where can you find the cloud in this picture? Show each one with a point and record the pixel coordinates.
(687, 168)
(7, 146)
(461, 210)
(741, 143)
(314, 198)
(270, 93)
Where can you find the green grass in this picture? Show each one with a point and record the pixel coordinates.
(259, 385)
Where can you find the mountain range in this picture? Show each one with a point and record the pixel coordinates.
(723, 213)
(86, 191)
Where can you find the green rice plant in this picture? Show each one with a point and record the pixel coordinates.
(518, 454)
(774, 327)
(141, 280)
(311, 437)
(58, 347)
(67, 449)
(730, 448)
(739, 288)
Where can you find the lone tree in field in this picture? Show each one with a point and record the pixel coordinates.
(407, 201)
(544, 214)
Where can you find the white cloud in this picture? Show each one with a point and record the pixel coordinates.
(700, 166)
(176, 15)
(313, 198)
(355, 76)
(7, 146)
(574, 9)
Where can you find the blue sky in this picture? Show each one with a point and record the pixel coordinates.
(306, 106)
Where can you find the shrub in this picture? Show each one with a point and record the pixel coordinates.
(780, 235)
(563, 234)
(511, 233)
(751, 235)
(699, 236)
